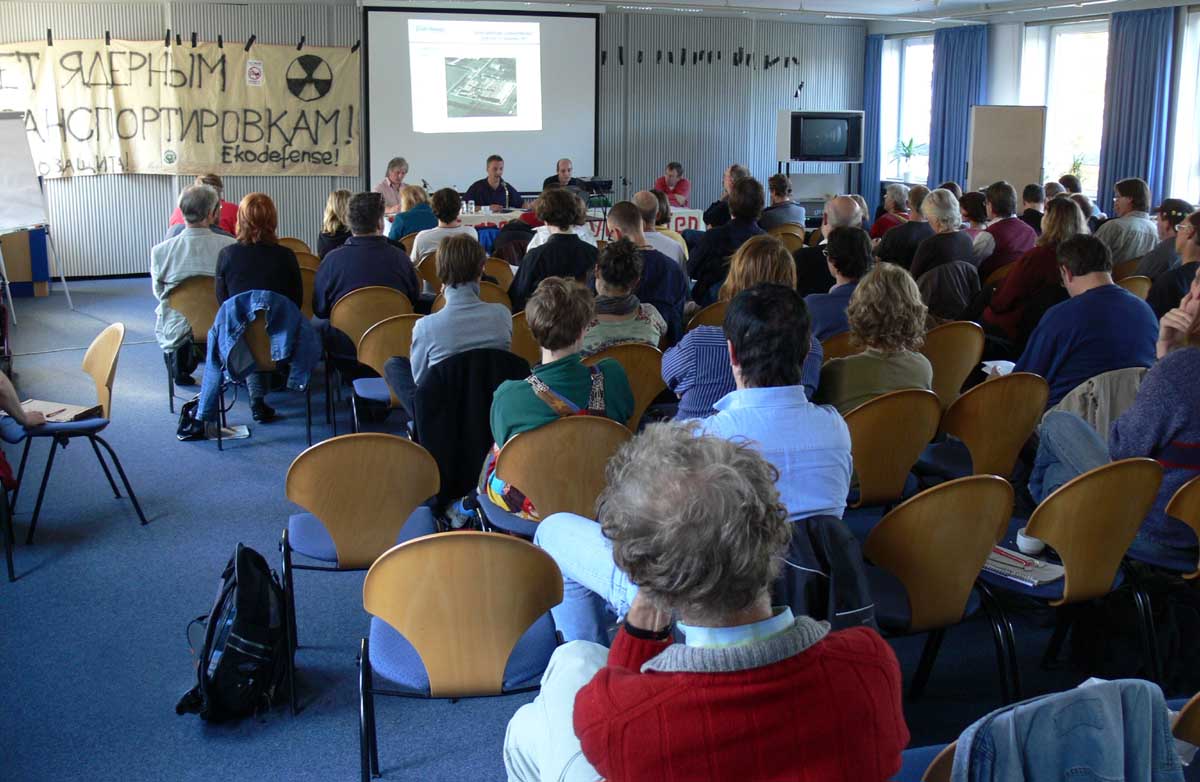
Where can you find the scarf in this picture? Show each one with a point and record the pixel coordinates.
(616, 305)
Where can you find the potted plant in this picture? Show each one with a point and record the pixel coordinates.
(904, 152)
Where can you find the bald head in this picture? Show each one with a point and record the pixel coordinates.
(841, 212)
(647, 204)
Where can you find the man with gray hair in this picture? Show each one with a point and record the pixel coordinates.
(647, 204)
(899, 244)
(717, 213)
(812, 272)
(895, 205)
(191, 253)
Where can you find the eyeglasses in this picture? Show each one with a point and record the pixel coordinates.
(825, 251)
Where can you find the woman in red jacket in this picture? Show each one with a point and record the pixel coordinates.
(752, 692)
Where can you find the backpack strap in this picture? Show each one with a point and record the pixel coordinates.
(595, 404)
(562, 406)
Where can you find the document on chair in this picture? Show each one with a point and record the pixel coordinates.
(59, 413)
(1023, 569)
(998, 368)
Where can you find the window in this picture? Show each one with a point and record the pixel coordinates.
(1185, 168)
(907, 102)
(1063, 67)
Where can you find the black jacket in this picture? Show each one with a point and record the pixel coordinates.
(258, 267)
(823, 575)
(563, 255)
(361, 262)
(709, 263)
(812, 272)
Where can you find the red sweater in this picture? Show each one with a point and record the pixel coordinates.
(676, 196)
(1032, 272)
(886, 222)
(830, 713)
(228, 217)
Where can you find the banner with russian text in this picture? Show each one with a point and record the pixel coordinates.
(142, 107)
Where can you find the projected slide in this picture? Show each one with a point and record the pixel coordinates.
(475, 76)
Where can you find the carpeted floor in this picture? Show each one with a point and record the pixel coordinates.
(92, 643)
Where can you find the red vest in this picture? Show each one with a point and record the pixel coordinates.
(1013, 238)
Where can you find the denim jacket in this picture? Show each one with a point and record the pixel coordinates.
(1117, 730)
(292, 338)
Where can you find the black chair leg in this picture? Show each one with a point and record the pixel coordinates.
(289, 619)
(104, 466)
(6, 519)
(1149, 635)
(169, 359)
(21, 472)
(37, 508)
(120, 471)
(221, 417)
(368, 749)
(1062, 624)
(932, 644)
(289, 586)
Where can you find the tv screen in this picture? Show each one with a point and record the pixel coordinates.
(827, 136)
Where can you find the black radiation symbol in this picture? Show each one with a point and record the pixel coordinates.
(309, 77)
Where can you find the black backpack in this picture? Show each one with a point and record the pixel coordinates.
(244, 659)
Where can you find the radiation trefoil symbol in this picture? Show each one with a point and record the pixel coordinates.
(309, 77)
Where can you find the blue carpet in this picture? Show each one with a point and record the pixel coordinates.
(92, 644)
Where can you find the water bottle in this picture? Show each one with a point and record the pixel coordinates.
(470, 207)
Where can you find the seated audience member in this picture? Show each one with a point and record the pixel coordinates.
(226, 223)
(718, 213)
(335, 228)
(492, 192)
(647, 205)
(563, 171)
(895, 210)
(812, 265)
(886, 317)
(899, 244)
(447, 207)
(709, 263)
(1131, 234)
(563, 255)
(191, 253)
(542, 233)
(1084, 203)
(415, 213)
(953, 187)
(258, 262)
(1164, 257)
(1102, 326)
(697, 369)
(1034, 272)
(662, 223)
(767, 335)
(1161, 424)
(366, 259)
(1006, 238)
(1171, 287)
(864, 223)
(848, 253)
(663, 284)
(1033, 206)
(1052, 189)
(947, 244)
(620, 317)
(392, 183)
(783, 210)
(1070, 185)
(674, 185)
(974, 213)
(696, 524)
(19, 420)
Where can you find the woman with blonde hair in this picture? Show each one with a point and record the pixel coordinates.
(697, 369)
(887, 319)
(415, 213)
(335, 228)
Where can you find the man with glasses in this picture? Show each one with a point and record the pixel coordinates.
(1131, 234)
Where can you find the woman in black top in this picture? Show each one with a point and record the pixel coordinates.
(948, 244)
(335, 224)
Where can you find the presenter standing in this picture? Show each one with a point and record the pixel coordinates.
(492, 191)
(389, 187)
(674, 185)
(562, 176)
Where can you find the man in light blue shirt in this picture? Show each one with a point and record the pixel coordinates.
(767, 331)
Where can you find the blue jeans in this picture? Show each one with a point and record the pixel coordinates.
(595, 590)
(1068, 447)
(398, 373)
(257, 384)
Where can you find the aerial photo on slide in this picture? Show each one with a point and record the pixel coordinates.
(481, 87)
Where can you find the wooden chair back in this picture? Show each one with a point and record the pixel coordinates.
(308, 282)
(937, 543)
(887, 435)
(259, 343)
(1187, 722)
(196, 300)
(643, 367)
(995, 419)
(362, 487)
(100, 363)
(814, 238)
(840, 346)
(1125, 269)
(1185, 506)
(359, 310)
(998, 275)
(523, 343)
(788, 229)
(499, 269)
(463, 600)
(308, 261)
(427, 271)
(560, 466)
(942, 766)
(488, 292)
(712, 315)
(407, 241)
(295, 245)
(387, 338)
(793, 242)
(1091, 520)
(953, 349)
(1138, 285)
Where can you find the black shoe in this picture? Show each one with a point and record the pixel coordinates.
(185, 380)
(261, 411)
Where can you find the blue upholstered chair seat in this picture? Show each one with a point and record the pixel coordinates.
(372, 388)
(914, 762)
(13, 432)
(1184, 562)
(396, 664)
(892, 610)
(860, 521)
(502, 519)
(947, 459)
(308, 536)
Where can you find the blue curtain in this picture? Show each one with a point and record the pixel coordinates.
(1137, 93)
(960, 68)
(871, 169)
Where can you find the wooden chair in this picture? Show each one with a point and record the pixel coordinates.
(295, 245)
(840, 346)
(488, 292)
(523, 343)
(308, 281)
(712, 315)
(467, 602)
(1125, 269)
(999, 274)
(406, 242)
(499, 269)
(361, 494)
(387, 338)
(1184, 506)
(196, 300)
(788, 229)
(427, 271)
(643, 366)
(814, 238)
(953, 349)
(793, 242)
(308, 261)
(1137, 285)
(100, 363)
(887, 434)
(361, 309)
(1187, 722)
(995, 419)
(935, 545)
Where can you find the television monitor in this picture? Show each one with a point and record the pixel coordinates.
(820, 136)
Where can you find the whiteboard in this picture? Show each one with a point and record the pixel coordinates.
(22, 204)
(1006, 143)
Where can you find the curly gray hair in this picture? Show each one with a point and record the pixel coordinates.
(942, 207)
(695, 521)
(898, 193)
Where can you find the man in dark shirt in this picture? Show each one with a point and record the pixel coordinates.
(812, 268)
(709, 264)
(1033, 202)
(717, 213)
(662, 283)
(562, 176)
(492, 192)
(899, 244)
(563, 255)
